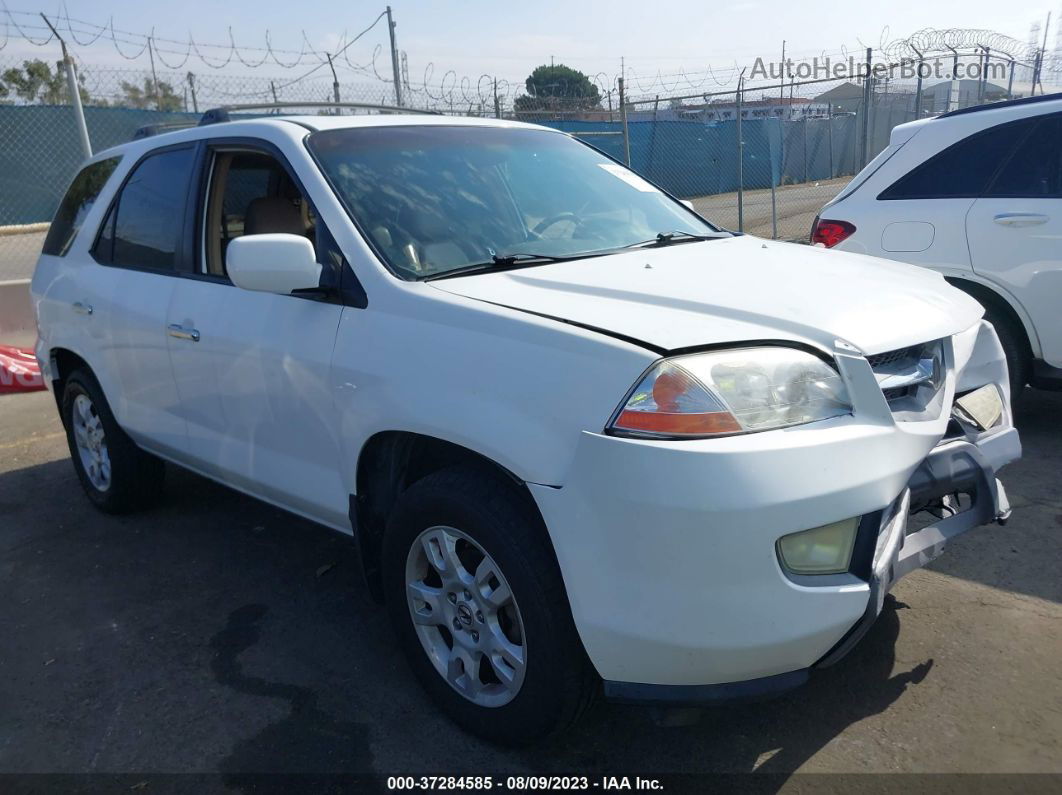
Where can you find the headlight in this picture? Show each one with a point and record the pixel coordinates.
(733, 391)
(821, 550)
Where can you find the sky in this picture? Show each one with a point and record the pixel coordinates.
(658, 42)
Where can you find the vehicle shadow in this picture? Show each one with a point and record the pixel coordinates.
(246, 629)
(773, 737)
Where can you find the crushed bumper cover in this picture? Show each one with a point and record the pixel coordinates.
(965, 466)
(957, 466)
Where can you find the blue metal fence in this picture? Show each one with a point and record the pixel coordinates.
(694, 158)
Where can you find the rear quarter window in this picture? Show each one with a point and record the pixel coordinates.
(145, 221)
(75, 206)
(964, 169)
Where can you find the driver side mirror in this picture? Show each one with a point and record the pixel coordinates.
(273, 263)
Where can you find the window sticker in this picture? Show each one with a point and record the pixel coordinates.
(629, 177)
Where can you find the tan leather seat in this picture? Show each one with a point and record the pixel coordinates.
(273, 215)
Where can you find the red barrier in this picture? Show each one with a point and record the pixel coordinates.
(19, 371)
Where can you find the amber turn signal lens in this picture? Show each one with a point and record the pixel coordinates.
(669, 424)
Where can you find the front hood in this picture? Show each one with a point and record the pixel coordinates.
(736, 289)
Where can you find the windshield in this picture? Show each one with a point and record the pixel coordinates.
(434, 199)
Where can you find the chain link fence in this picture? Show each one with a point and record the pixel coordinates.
(762, 159)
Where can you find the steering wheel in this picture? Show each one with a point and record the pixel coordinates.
(546, 223)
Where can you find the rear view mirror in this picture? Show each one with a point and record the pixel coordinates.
(273, 263)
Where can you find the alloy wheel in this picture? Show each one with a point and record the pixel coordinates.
(466, 616)
(91, 442)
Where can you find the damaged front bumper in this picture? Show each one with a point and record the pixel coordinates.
(964, 467)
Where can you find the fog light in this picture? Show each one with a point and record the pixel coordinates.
(983, 406)
(820, 550)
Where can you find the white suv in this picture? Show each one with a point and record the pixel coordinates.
(577, 432)
(976, 195)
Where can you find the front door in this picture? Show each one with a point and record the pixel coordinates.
(252, 368)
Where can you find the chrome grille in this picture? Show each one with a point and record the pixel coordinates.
(889, 357)
(909, 377)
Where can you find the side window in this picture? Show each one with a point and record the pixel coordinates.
(83, 192)
(251, 193)
(144, 223)
(1035, 170)
(963, 169)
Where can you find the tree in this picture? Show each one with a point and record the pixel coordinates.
(558, 87)
(145, 96)
(36, 82)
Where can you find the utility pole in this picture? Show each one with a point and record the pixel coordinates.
(335, 83)
(497, 104)
(982, 79)
(781, 82)
(1040, 59)
(154, 77)
(191, 87)
(623, 121)
(394, 58)
(75, 92)
(740, 155)
(868, 98)
(918, 88)
(953, 89)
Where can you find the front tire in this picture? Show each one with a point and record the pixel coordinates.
(476, 597)
(1014, 346)
(116, 475)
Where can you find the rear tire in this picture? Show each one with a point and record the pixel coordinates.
(531, 677)
(116, 475)
(1016, 349)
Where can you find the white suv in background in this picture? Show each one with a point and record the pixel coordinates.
(976, 195)
(584, 440)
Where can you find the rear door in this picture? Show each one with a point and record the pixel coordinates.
(70, 291)
(140, 244)
(921, 217)
(1015, 231)
(252, 368)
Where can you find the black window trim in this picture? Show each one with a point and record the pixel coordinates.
(988, 182)
(350, 291)
(117, 158)
(181, 250)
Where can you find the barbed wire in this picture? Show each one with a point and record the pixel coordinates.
(452, 91)
(935, 41)
(132, 45)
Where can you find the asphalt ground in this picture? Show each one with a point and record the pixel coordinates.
(215, 635)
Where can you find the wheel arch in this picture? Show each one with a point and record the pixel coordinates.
(64, 362)
(989, 296)
(389, 463)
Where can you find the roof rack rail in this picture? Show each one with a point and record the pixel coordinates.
(1007, 103)
(148, 130)
(221, 114)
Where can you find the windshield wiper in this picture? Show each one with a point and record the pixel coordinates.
(670, 238)
(504, 262)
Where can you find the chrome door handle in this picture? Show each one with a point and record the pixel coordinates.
(1020, 219)
(82, 309)
(182, 333)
